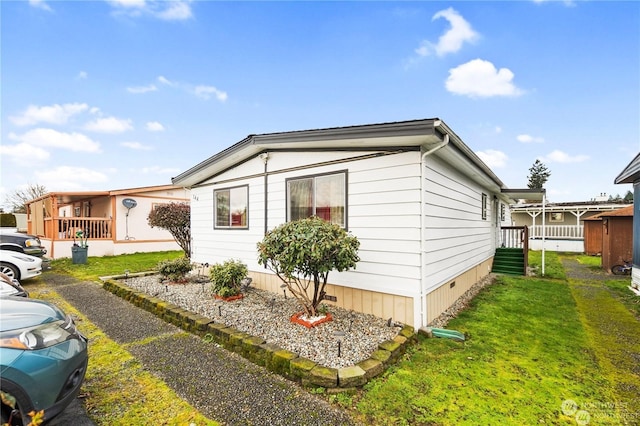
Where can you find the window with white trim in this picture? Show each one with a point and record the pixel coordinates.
(231, 207)
(484, 207)
(324, 196)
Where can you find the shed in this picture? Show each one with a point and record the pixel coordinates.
(593, 235)
(617, 237)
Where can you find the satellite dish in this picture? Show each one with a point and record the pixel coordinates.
(129, 203)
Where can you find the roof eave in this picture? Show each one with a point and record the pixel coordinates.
(418, 131)
(631, 173)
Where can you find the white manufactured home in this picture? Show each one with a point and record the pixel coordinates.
(426, 210)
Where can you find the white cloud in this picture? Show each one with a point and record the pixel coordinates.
(40, 4)
(67, 178)
(493, 158)
(82, 75)
(128, 4)
(24, 154)
(205, 92)
(53, 114)
(175, 10)
(154, 126)
(453, 39)
(54, 139)
(558, 156)
(136, 146)
(201, 91)
(109, 125)
(498, 129)
(529, 139)
(142, 89)
(480, 78)
(164, 80)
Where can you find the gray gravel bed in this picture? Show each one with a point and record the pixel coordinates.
(267, 315)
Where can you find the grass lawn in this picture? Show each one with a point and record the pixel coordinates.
(533, 357)
(112, 265)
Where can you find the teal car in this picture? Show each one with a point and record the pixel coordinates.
(43, 360)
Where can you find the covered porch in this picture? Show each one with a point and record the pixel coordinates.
(110, 226)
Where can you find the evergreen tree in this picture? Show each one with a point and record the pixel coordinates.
(538, 175)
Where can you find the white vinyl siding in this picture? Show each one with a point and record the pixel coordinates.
(383, 207)
(457, 237)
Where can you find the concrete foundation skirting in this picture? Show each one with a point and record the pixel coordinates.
(275, 359)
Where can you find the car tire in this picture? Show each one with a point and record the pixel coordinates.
(10, 270)
(21, 400)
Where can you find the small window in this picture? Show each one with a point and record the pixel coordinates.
(322, 195)
(231, 207)
(484, 206)
(556, 217)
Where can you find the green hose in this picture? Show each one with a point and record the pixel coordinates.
(448, 334)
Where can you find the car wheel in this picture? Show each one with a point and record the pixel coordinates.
(6, 415)
(20, 418)
(10, 270)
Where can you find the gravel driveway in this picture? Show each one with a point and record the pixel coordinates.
(222, 385)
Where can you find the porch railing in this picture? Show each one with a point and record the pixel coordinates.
(564, 232)
(514, 237)
(66, 228)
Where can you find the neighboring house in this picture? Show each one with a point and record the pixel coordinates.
(426, 210)
(564, 229)
(111, 227)
(631, 174)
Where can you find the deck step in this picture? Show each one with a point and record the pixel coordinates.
(509, 261)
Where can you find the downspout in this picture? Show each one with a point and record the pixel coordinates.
(423, 296)
(265, 158)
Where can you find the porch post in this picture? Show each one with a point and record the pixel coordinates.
(544, 196)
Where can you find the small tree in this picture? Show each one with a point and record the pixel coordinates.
(175, 218)
(303, 252)
(538, 175)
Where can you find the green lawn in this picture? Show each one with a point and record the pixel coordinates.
(531, 354)
(112, 265)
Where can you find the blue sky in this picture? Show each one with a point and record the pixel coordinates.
(103, 95)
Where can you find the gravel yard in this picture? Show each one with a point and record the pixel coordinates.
(267, 315)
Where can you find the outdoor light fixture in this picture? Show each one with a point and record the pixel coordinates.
(126, 273)
(284, 290)
(339, 335)
(273, 303)
(352, 317)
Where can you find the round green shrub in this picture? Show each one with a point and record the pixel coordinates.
(226, 277)
(175, 269)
